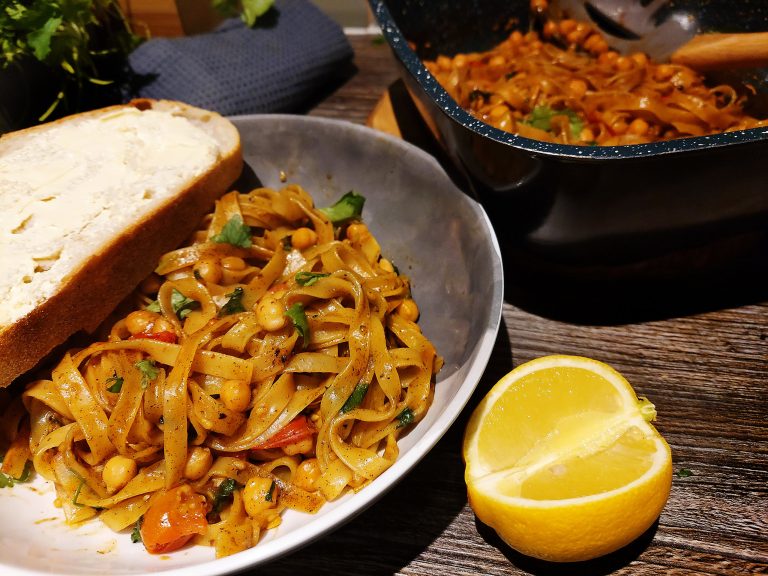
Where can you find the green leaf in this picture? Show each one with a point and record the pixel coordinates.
(683, 473)
(136, 532)
(182, 305)
(405, 417)
(308, 278)
(149, 371)
(234, 232)
(254, 9)
(8, 481)
(356, 398)
(348, 207)
(541, 118)
(116, 383)
(40, 39)
(268, 496)
(300, 323)
(223, 493)
(234, 304)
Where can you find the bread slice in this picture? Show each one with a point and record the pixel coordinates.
(89, 203)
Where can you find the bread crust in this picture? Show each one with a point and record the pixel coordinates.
(92, 291)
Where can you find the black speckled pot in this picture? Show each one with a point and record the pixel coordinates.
(592, 205)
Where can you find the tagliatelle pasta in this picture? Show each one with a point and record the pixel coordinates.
(270, 364)
(566, 86)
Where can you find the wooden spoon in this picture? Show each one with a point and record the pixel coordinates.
(722, 51)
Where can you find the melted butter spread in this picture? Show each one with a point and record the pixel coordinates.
(70, 193)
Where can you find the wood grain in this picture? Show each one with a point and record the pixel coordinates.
(703, 365)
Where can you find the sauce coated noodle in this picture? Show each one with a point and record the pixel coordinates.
(566, 86)
(270, 364)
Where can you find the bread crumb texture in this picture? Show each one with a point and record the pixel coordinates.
(69, 190)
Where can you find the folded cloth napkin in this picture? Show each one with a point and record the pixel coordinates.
(278, 66)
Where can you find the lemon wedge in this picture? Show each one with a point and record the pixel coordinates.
(562, 461)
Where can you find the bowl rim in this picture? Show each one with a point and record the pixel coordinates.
(432, 88)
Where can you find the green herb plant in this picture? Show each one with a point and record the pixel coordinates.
(81, 44)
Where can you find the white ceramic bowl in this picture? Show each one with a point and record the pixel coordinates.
(432, 231)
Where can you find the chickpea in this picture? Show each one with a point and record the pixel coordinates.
(550, 29)
(638, 126)
(357, 232)
(497, 60)
(270, 313)
(234, 263)
(199, 461)
(236, 395)
(408, 310)
(303, 238)
(608, 57)
(162, 325)
(623, 63)
(304, 446)
(587, 135)
(460, 60)
(208, 270)
(639, 58)
(577, 87)
(567, 26)
(498, 112)
(307, 474)
(140, 321)
(260, 494)
(516, 37)
(118, 471)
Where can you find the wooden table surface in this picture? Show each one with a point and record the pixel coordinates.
(703, 362)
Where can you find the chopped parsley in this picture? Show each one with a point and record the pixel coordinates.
(181, 305)
(308, 278)
(136, 532)
(356, 398)
(234, 232)
(268, 496)
(541, 118)
(115, 383)
(223, 494)
(234, 304)
(404, 418)
(683, 473)
(149, 371)
(348, 207)
(300, 322)
(8, 481)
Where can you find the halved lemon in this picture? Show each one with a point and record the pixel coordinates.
(562, 462)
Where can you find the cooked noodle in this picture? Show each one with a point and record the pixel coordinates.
(567, 86)
(264, 370)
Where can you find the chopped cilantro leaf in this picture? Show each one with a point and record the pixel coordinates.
(541, 118)
(268, 496)
(308, 278)
(234, 232)
(356, 398)
(234, 304)
(348, 207)
(299, 319)
(683, 473)
(404, 418)
(115, 383)
(8, 481)
(181, 305)
(223, 493)
(149, 371)
(136, 532)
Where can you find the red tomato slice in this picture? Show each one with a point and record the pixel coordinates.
(297, 429)
(173, 518)
(165, 336)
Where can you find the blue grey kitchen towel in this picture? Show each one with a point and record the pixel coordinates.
(278, 66)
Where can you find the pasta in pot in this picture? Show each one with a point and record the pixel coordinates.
(566, 86)
(272, 363)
